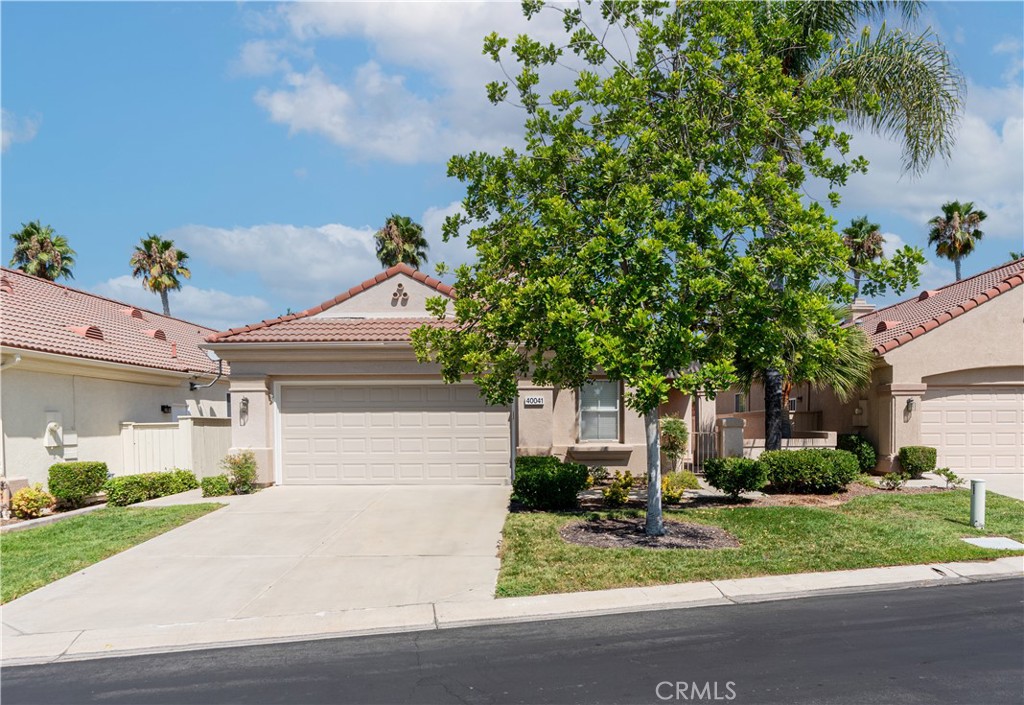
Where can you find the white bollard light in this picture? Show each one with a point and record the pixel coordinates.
(978, 504)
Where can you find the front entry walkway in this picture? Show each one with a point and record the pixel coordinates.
(287, 551)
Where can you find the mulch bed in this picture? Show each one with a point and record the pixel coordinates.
(629, 533)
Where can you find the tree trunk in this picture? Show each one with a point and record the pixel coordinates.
(772, 410)
(956, 263)
(165, 301)
(856, 285)
(654, 525)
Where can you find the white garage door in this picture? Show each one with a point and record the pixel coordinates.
(975, 429)
(410, 434)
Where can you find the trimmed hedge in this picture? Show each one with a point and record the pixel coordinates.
(216, 486)
(545, 482)
(855, 443)
(735, 476)
(917, 460)
(130, 489)
(810, 470)
(72, 482)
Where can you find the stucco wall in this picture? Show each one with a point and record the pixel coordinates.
(89, 410)
(386, 300)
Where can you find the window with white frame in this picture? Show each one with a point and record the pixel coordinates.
(599, 411)
(739, 403)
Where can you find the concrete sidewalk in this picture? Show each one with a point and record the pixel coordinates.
(71, 645)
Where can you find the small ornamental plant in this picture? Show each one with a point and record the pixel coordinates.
(32, 502)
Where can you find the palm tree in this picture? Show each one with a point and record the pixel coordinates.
(401, 240)
(41, 252)
(864, 239)
(159, 263)
(955, 232)
(905, 86)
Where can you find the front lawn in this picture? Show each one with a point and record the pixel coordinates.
(875, 530)
(32, 558)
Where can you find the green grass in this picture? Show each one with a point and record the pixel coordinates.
(875, 530)
(32, 558)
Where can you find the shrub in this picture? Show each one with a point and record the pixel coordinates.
(860, 446)
(917, 460)
(811, 470)
(598, 475)
(893, 481)
(216, 486)
(131, 489)
(31, 502)
(545, 482)
(617, 493)
(735, 476)
(674, 438)
(674, 485)
(71, 483)
(241, 471)
(951, 478)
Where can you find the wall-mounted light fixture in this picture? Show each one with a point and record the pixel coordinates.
(165, 408)
(911, 405)
(243, 406)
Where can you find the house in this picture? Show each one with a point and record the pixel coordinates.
(335, 395)
(949, 373)
(79, 371)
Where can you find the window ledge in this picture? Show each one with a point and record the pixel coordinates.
(600, 450)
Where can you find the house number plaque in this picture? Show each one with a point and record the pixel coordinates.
(533, 401)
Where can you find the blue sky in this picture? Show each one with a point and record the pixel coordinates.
(270, 141)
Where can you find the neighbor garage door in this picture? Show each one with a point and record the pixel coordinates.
(975, 429)
(412, 434)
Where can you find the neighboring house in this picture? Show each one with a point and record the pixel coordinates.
(949, 374)
(334, 395)
(79, 369)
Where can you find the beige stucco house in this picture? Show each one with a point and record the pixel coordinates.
(79, 370)
(334, 395)
(949, 373)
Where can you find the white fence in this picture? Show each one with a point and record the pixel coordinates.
(196, 443)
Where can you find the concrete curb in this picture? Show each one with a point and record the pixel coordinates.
(50, 518)
(25, 649)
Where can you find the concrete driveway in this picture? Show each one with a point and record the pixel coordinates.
(287, 551)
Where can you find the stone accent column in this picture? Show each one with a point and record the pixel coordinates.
(730, 436)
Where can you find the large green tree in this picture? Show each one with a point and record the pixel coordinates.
(955, 233)
(160, 265)
(401, 239)
(900, 84)
(41, 252)
(864, 240)
(639, 231)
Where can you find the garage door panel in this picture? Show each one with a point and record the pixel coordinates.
(975, 429)
(402, 433)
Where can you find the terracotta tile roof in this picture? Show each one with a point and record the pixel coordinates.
(892, 326)
(46, 317)
(335, 330)
(321, 330)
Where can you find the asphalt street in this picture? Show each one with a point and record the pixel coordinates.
(953, 644)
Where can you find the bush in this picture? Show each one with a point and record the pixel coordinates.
(598, 475)
(860, 446)
(951, 478)
(675, 484)
(31, 502)
(241, 471)
(131, 489)
(893, 480)
(917, 460)
(216, 486)
(735, 476)
(810, 470)
(545, 482)
(674, 438)
(617, 493)
(71, 483)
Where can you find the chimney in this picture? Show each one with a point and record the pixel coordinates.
(860, 308)
(174, 350)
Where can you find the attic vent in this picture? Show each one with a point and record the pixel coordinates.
(6, 286)
(133, 312)
(927, 295)
(886, 325)
(400, 297)
(156, 333)
(91, 332)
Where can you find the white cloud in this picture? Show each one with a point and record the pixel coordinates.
(209, 307)
(260, 57)
(16, 129)
(1013, 48)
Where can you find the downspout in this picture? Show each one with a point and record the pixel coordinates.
(5, 489)
(192, 386)
(515, 436)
